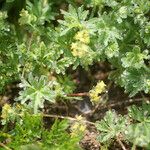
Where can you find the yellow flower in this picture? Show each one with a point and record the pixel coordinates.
(82, 128)
(79, 49)
(83, 36)
(98, 89)
(75, 126)
(6, 111)
(79, 118)
(74, 46)
(18, 106)
(78, 127)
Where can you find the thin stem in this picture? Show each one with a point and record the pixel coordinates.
(133, 146)
(93, 12)
(118, 104)
(120, 143)
(30, 42)
(66, 117)
(4, 146)
(144, 98)
(78, 94)
(28, 49)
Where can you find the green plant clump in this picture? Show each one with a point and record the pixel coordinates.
(43, 41)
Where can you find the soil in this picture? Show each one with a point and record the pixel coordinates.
(89, 142)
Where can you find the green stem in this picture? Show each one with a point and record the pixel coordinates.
(93, 12)
(68, 118)
(28, 49)
(134, 146)
(4, 146)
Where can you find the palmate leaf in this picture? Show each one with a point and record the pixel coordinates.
(134, 127)
(138, 132)
(145, 33)
(141, 114)
(102, 3)
(36, 13)
(135, 58)
(73, 17)
(37, 90)
(135, 80)
(42, 10)
(111, 126)
(70, 21)
(112, 50)
(107, 31)
(68, 83)
(76, 18)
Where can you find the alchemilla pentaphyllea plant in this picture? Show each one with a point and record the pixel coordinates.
(42, 44)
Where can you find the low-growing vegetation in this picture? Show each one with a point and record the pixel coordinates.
(74, 74)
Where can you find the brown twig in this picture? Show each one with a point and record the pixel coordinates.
(120, 143)
(66, 117)
(118, 104)
(129, 101)
(4, 146)
(79, 94)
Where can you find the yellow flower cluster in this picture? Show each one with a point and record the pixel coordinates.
(79, 49)
(83, 36)
(6, 111)
(98, 89)
(78, 128)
